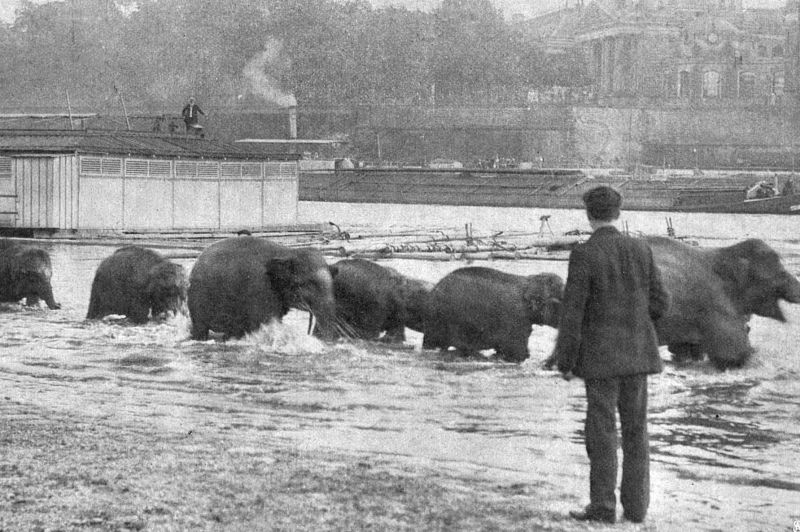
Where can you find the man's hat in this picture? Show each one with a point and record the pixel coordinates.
(603, 203)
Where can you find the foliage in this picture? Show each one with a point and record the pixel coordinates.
(156, 53)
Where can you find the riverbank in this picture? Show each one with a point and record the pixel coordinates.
(66, 470)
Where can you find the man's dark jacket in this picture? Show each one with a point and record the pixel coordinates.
(190, 113)
(612, 296)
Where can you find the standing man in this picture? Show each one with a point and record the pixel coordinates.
(606, 337)
(191, 118)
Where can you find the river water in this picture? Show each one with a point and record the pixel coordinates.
(725, 446)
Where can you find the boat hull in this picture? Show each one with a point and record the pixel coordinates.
(546, 189)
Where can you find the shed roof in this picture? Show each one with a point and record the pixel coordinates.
(102, 142)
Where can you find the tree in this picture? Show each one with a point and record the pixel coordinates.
(174, 48)
(64, 46)
(474, 50)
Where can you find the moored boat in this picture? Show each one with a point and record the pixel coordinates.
(538, 188)
(786, 204)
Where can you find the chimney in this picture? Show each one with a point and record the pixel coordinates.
(292, 122)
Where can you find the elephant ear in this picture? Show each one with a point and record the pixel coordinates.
(282, 277)
(734, 270)
(167, 279)
(543, 294)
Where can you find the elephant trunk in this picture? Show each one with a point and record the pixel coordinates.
(45, 291)
(551, 312)
(416, 305)
(768, 305)
(322, 320)
(791, 289)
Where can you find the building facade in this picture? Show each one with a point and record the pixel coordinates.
(677, 51)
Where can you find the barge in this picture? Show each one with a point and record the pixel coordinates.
(538, 188)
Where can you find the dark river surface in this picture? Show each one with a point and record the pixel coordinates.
(725, 446)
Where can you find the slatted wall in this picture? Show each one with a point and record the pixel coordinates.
(128, 193)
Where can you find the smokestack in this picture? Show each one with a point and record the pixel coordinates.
(292, 122)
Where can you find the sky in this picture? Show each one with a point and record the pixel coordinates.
(509, 7)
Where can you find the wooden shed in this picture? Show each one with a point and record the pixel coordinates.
(112, 180)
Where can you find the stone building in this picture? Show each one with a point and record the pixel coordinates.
(676, 51)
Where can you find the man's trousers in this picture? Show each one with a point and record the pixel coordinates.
(604, 397)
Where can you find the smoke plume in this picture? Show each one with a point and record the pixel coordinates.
(261, 83)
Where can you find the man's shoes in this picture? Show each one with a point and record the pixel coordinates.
(602, 515)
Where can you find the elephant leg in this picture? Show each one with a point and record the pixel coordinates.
(726, 342)
(32, 301)
(199, 331)
(138, 313)
(684, 352)
(396, 334)
(367, 332)
(513, 352)
(257, 313)
(431, 340)
(435, 335)
(467, 351)
(515, 356)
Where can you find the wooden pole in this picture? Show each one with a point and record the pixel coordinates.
(69, 110)
(124, 109)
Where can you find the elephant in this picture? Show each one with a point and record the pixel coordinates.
(241, 282)
(371, 299)
(714, 292)
(25, 272)
(137, 282)
(476, 308)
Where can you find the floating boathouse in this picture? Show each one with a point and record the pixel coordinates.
(75, 181)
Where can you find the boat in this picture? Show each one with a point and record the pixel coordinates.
(550, 188)
(786, 204)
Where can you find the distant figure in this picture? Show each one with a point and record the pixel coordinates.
(158, 123)
(173, 126)
(762, 189)
(343, 164)
(788, 188)
(191, 117)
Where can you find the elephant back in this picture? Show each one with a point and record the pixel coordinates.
(476, 290)
(18, 260)
(229, 289)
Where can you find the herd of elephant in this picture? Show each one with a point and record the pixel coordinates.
(239, 283)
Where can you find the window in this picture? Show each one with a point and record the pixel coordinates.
(778, 82)
(5, 168)
(747, 85)
(777, 51)
(762, 50)
(683, 84)
(711, 84)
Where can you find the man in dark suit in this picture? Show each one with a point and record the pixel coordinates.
(191, 117)
(606, 336)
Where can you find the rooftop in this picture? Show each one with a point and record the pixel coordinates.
(138, 143)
